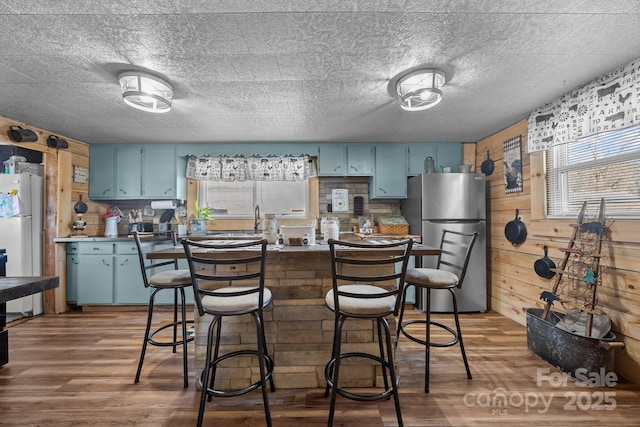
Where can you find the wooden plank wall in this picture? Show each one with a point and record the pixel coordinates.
(514, 284)
(61, 194)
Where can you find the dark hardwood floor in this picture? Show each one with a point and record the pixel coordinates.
(77, 369)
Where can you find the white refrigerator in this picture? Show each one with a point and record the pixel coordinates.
(454, 201)
(21, 233)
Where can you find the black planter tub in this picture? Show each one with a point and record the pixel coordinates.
(564, 350)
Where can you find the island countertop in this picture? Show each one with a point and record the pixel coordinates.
(319, 247)
(299, 325)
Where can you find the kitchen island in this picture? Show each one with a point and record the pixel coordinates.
(298, 325)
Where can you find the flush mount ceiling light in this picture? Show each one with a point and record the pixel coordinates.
(145, 92)
(420, 89)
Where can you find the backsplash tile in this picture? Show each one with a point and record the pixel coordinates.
(357, 186)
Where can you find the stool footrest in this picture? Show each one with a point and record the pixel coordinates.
(454, 341)
(151, 341)
(328, 373)
(241, 391)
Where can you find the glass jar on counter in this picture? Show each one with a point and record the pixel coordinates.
(270, 228)
(332, 229)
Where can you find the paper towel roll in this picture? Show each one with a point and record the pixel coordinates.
(163, 204)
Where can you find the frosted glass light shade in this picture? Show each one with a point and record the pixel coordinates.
(145, 92)
(420, 89)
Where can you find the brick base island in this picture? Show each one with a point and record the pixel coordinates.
(299, 326)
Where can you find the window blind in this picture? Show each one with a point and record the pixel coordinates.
(605, 166)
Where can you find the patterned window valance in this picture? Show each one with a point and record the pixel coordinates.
(241, 168)
(610, 102)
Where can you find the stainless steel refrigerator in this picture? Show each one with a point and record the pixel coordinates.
(21, 212)
(454, 201)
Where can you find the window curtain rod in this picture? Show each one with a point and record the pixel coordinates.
(251, 168)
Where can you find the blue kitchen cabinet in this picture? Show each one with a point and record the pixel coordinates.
(72, 272)
(102, 181)
(359, 160)
(390, 176)
(449, 155)
(133, 171)
(417, 153)
(127, 172)
(109, 273)
(345, 160)
(95, 273)
(128, 285)
(114, 172)
(163, 173)
(332, 160)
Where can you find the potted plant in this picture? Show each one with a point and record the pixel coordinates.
(198, 224)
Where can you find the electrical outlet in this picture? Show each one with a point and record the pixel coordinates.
(519, 217)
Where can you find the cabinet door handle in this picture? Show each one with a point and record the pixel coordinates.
(168, 191)
(108, 190)
(382, 189)
(106, 263)
(124, 262)
(354, 168)
(122, 191)
(336, 168)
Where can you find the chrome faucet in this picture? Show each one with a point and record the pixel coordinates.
(256, 217)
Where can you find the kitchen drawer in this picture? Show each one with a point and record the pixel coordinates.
(95, 248)
(126, 248)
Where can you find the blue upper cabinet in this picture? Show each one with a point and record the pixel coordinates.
(102, 179)
(127, 172)
(360, 160)
(444, 154)
(345, 160)
(163, 173)
(390, 178)
(332, 160)
(147, 171)
(449, 155)
(417, 154)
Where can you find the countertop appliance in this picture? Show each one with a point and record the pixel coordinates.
(21, 213)
(455, 201)
(141, 227)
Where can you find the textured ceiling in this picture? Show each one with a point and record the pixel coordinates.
(301, 70)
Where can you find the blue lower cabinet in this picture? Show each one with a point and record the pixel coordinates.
(95, 279)
(109, 273)
(129, 288)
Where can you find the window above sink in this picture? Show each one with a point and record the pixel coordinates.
(239, 198)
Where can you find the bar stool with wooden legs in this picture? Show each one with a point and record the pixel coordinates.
(449, 274)
(228, 280)
(172, 279)
(367, 279)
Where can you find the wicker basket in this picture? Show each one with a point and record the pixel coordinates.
(394, 225)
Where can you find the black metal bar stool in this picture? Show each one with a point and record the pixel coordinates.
(172, 279)
(449, 273)
(367, 279)
(228, 280)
